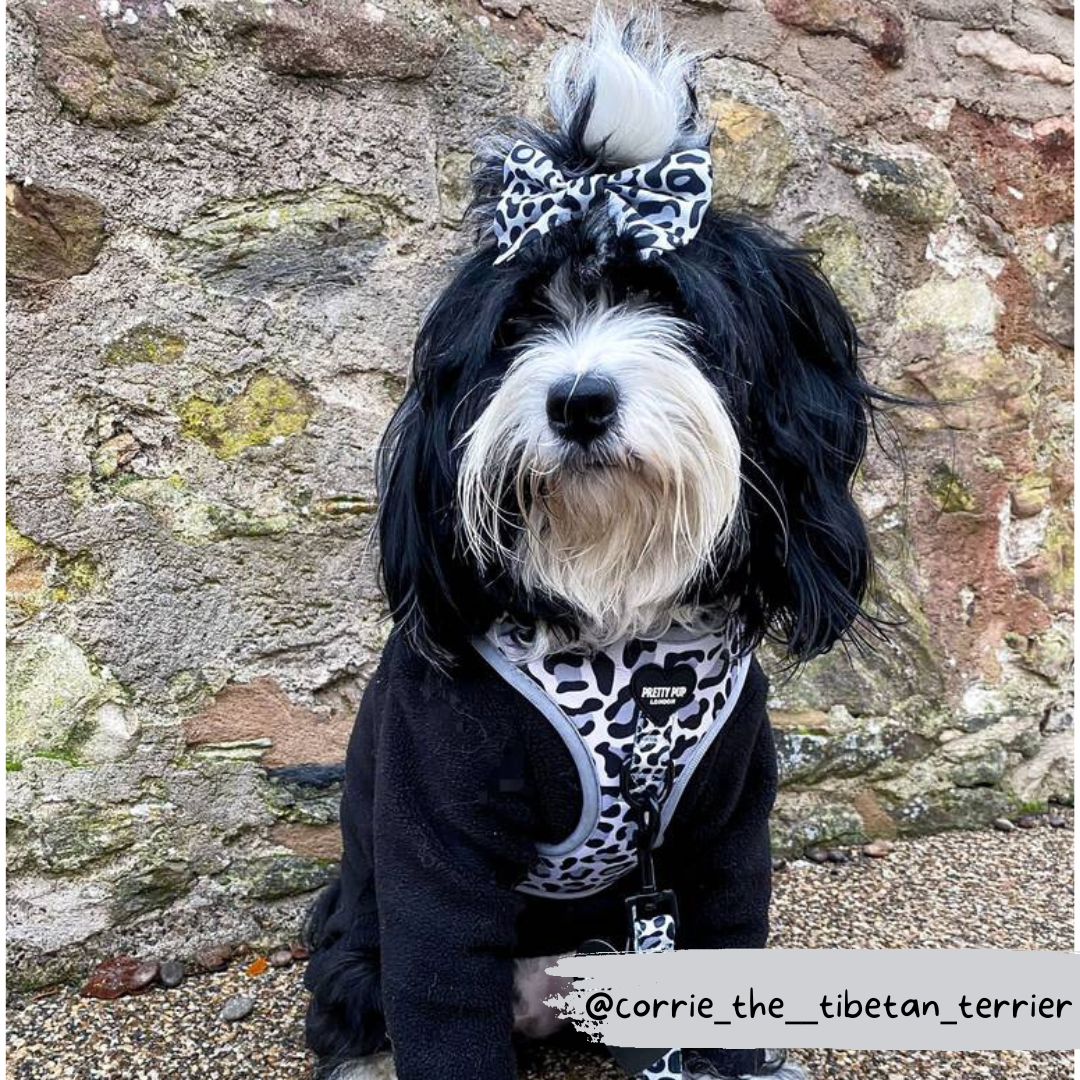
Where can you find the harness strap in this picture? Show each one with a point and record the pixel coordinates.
(652, 914)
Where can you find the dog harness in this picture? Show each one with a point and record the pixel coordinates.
(652, 743)
(637, 719)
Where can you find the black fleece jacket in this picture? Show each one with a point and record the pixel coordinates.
(451, 780)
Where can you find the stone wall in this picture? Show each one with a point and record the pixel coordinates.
(224, 221)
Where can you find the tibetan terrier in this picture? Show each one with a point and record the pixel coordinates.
(623, 461)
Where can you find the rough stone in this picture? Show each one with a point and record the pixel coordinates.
(874, 25)
(57, 701)
(455, 189)
(1019, 175)
(1048, 776)
(903, 181)
(51, 233)
(320, 240)
(112, 64)
(1002, 52)
(751, 151)
(964, 311)
(271, 877)
(282, 200)
(343, 39)
(1050, 264)
(261, 710)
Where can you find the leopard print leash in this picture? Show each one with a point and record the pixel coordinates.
(646, 783)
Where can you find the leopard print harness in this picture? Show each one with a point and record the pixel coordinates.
(588, 700)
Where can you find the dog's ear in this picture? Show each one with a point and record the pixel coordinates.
(433, 593)
(786, 355)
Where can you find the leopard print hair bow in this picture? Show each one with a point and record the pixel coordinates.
(659, 205)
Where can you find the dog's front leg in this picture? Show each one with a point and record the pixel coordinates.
(451, 836)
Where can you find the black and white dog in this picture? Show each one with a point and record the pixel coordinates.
(623, 461)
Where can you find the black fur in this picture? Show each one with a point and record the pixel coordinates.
(782, 350)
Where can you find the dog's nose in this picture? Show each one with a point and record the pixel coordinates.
(582, 408)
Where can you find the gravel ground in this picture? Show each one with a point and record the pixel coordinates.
(962, 890)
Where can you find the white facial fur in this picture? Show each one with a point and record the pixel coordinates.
(618, 531)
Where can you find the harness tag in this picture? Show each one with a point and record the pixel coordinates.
(658, 691)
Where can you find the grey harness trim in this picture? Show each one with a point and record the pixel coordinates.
(583, 759)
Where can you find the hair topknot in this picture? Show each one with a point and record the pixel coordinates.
(623, 95)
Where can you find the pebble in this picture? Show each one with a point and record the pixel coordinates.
(238, 1007)
(1003, 824)
(172, 973)
(1027, 821)
(214, 958)
(838, 855)
(299, 951)
(281, 958)
(122, 975)
(879, 849)
(818, 855)
(1056, 821)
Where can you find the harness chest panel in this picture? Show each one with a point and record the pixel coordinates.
(589, 702)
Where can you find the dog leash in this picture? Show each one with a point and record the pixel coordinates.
(645, 781)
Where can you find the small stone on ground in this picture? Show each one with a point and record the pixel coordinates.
(172, 973)
(236, 1008)
(962, 890)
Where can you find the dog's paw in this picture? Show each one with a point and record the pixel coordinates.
(376, 1067)
(790, 1070)
(697, 1068)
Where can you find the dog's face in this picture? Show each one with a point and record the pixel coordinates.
(604, 469)
(600, 445)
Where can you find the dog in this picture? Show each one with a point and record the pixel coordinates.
(623, 461)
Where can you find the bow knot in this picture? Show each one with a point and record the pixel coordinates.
(659, 205)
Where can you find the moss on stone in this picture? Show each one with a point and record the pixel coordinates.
(325, 209)
(269, 408)
(272, 877)
(904, 182)
(751, 151)
(27, 566)
(949, 492)
(151, 887)
(58, 701)
(146, 343)
(82, 836)
(845, 263)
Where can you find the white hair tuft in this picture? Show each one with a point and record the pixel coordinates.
(642, 103)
